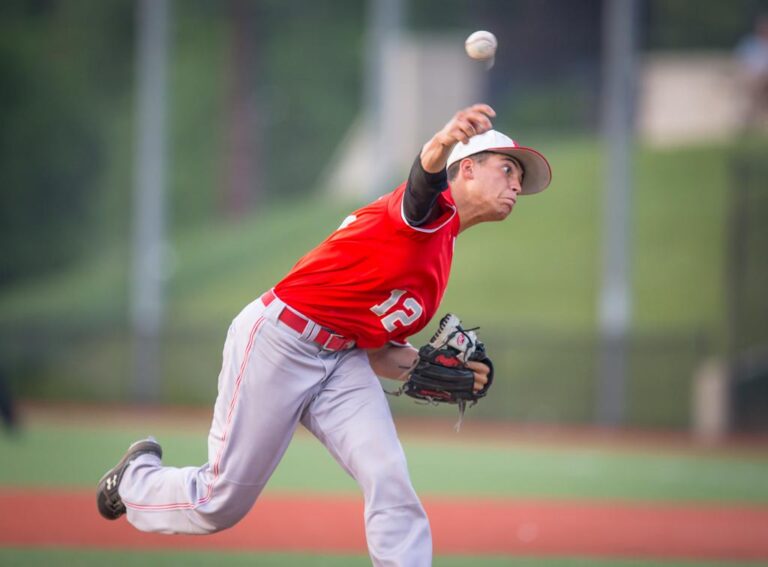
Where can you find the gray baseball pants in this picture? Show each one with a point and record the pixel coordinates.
(271, 379)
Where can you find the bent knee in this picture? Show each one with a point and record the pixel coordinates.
(223, 511)
(217, 519)
(220, 521)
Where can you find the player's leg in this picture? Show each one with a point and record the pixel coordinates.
(266, 378)
(351, 417)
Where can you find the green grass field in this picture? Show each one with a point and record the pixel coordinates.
(95, 558)
(71, 454)
(439, 466)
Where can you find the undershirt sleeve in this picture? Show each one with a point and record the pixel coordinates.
(421, 194)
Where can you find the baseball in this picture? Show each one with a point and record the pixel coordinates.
(481, 45)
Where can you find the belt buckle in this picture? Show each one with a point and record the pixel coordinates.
(331, 337)
(345, 343)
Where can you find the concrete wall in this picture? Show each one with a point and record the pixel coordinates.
(689, 97)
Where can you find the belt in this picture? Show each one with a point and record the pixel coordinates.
(327, 340)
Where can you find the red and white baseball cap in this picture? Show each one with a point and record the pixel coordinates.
(537, 173)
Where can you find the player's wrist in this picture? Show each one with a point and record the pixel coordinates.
(437, 180)
(434, 156)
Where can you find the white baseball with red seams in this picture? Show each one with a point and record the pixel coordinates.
(481, 45)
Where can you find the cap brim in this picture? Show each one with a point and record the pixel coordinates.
(537, 174)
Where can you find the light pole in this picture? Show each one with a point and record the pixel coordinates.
(149, 195)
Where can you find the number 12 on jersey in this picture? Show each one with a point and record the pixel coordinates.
(411, 310)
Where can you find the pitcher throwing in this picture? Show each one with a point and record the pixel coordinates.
(309, 351)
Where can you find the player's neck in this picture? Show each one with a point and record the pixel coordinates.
(469, 213)
(465, 224)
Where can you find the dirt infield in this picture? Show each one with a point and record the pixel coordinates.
(334, 524)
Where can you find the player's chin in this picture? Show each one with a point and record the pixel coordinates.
(505, 209)
(497, 217)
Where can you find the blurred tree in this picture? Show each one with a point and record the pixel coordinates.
(57, 73)
(245, 184)
(256, 118)
(700, 24)
(48, 154)
(310, 85)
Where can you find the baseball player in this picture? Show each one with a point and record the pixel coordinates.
(309, 351)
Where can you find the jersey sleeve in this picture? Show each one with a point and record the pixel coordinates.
(396, 213)
(421, 193)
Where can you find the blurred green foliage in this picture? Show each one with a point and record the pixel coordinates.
(66, 106)
(52, 100)
(697, 24)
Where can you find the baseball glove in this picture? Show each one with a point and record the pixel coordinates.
(441, 374)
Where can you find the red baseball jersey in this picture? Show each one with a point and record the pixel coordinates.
(376, 278)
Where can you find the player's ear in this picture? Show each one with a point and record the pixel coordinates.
(467, 168)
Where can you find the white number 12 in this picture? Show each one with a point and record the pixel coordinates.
(412, 310)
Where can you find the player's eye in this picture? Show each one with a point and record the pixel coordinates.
(509, 171)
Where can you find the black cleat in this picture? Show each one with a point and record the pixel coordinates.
(107, 498)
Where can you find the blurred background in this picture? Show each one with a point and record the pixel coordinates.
(163, 163)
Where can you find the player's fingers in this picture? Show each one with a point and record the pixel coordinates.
(478, 367)
(480, 381)
(480, 113)
(472, 125)
(468, 130)
(483, 108)
(470, 122)
(481, 377)
(465, 129)
(481, 374)
(480, 122)
(473, 122)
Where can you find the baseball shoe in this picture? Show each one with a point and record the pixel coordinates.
(107, 498)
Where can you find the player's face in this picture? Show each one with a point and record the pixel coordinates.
(500, 181)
